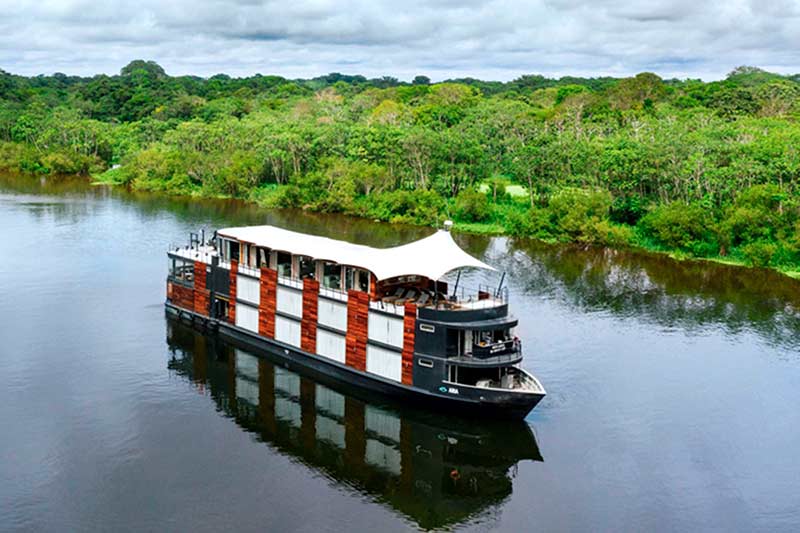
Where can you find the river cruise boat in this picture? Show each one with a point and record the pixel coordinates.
(379, 318)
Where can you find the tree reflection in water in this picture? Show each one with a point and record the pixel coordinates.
(691, 295)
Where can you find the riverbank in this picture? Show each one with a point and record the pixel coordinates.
(579, 218)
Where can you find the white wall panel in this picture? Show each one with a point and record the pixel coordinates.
(386, 329)
(386, 363)
(332, 314)
(289, 301)
(287, 330)
(330, 345)
(247, 317)
(382, 422)
(247, 289)
(383, 456)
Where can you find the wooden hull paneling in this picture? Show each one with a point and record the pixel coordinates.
(409, 326)
(308, 325)
(232, 292)
(201, 294)
(267, 298)
(356, 338)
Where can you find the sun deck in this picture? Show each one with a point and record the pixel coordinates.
(393, 277)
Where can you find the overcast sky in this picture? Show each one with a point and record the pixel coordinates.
(493, 39)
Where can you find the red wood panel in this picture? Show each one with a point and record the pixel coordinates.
(373, 286)
(201, 294)
(409, 325)
(232, 289)
(357, 322)
(180, 295)
(308, 324)
(268, 299)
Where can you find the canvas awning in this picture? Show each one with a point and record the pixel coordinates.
(431, 257)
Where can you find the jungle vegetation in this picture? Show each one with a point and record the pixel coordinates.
(699, 169)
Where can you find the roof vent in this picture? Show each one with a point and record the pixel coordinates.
(448, 225)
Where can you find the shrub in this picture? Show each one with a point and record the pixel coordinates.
(759, 253)
(677, 225)
(413, 207)
(608, 233)
(576, 211)
(628, 209)
(533, 223)
(472, 206)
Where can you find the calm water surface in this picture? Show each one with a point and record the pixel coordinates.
(674, 393)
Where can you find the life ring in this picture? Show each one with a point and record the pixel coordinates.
(454, 475)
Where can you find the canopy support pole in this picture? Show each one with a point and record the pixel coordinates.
(500, 285)
(455, 287)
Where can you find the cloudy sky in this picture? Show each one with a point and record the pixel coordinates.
(492, 39)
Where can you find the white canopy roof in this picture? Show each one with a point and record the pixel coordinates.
(431, 257)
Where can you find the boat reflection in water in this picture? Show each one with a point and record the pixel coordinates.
(437, 470)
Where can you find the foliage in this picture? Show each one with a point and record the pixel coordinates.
(705, 168)
(576, 212)
(676, 225)
(472, 206)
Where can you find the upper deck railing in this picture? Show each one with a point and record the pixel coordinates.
(201, 253)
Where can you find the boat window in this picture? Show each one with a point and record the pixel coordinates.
(332, 276)
(182, 269)
(307, 267)
(284, 264)
(427, 363)
(363, 280)
(350, 276)
(234, 250)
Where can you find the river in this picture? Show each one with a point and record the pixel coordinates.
(673, 392)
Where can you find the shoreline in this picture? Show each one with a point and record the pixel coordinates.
(491, 229)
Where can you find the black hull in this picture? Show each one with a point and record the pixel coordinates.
(469, 402)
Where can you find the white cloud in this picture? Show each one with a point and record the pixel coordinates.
(497, 39)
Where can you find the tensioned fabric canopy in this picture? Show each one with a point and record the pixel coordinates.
(431, 257)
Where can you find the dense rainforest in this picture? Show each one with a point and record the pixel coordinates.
(699, 169)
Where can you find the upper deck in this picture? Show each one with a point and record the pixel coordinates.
(392, 277)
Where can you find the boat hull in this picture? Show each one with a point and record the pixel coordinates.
(466, 401)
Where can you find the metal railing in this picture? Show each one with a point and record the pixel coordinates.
(495, 349)
(482, 297)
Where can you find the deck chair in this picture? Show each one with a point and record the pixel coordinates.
(397, 294)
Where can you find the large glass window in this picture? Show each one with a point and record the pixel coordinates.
(363, 280)
(181, 269)
(307, 267)
(285, 264)
(332, 276)
(356, 278)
